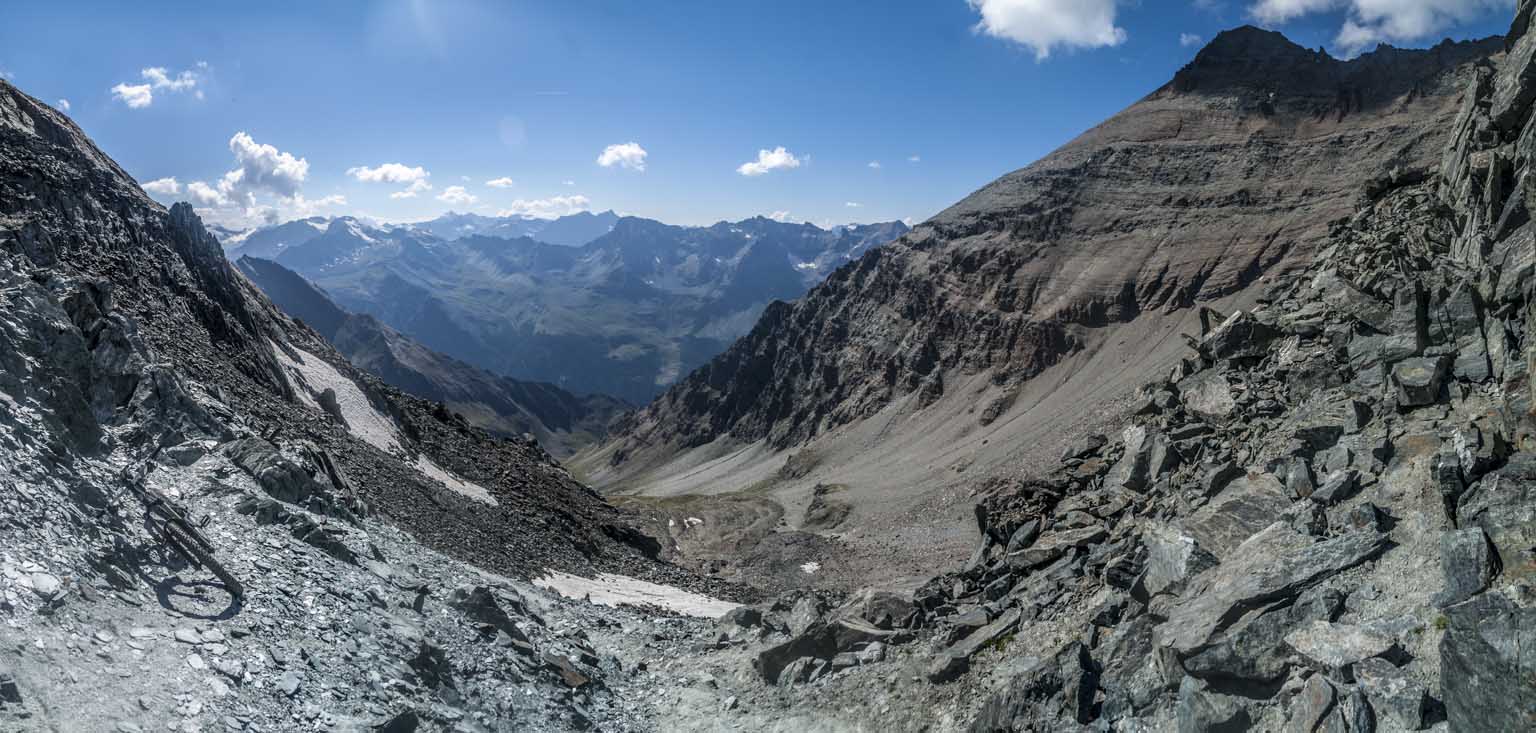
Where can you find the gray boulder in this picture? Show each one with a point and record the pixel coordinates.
(1335, 647)
(1392, 692)
(1486, 666)
(1173, 557)
(1419, 380)
(1503, 504)
(1147, 456)
(1467, 562)
(1200, 710)
(1208, 396)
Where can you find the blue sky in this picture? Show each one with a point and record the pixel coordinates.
(279, 109)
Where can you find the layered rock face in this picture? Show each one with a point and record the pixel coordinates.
(1228, 172)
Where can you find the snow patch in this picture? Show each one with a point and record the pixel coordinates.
(473, 491)
(312, 376)
(608, 589)
(810, 568)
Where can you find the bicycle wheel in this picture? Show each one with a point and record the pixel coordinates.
(179, 536)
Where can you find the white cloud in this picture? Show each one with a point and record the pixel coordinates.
(416, 187)
(779, 216)
(157, 76)
(768, 160)
(1369, 22)
(914, 159)
(264, 167)
(1042, 25)
(388, 173)
(625, 155)
(64, 104)
(550, 208)
(457, 196)
(569, 183)
(202, 194)
(874, 164)
(162, 186)
(302, 207)
(502, 182)
(1190, 39)
(852, 204)
(136, 96)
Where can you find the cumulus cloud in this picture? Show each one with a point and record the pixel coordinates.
(202, 194)
(1043, 25)
(260, 170)
(769, 160)
(416, 187)
(264, 167)
(457, 196)
(502, 182)
(550, 208)
(914, 159)
(64, 105)
(162, 186)
(158, 79)
(569, 183)
(625, 155)
(1369, 22)
(388, 173)
(136, 96)
(1190, 39)
(874, 164)
(852, 204)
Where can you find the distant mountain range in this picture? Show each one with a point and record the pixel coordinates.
(562, 422)
(624, 314)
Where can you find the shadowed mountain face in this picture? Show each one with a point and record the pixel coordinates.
(625, 314)
(125, 329)
(1233, 169)
(562, 422)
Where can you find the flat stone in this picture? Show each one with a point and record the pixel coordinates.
(188, 636)
(1275, 564)
(1052, 545)
(1248, 505)
(1336, 646)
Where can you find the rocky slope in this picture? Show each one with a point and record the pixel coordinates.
(1226, 173)
(623, 315)
(128, 342)
(561, 422)
(1319, 519)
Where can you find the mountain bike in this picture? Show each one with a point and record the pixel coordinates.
(173, 526)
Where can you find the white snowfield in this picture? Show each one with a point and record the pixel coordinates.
(312, 376)
(612, 590)
(473, 491)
